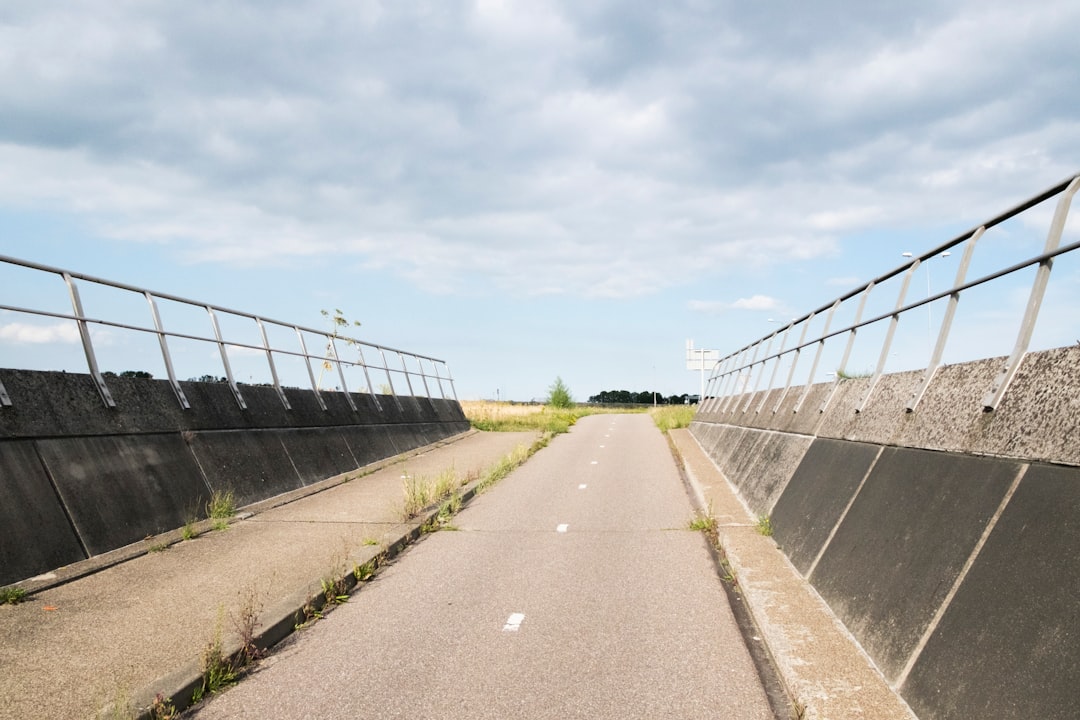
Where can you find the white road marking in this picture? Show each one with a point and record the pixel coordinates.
(562, 528)
(582, 486)
(513, 623)
(594, 462)
(603, 446)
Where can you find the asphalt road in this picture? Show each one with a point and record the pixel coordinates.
(572, 589)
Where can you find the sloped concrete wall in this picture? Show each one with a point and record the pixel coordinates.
(78, 479)
(947, 540)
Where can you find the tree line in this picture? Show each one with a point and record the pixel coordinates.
(625, 397)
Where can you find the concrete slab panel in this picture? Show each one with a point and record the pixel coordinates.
(774, 462)
(903, 542)
(950, 416)
(806, 421)
(1039, 417)
(840, 419)
(819, 490)
(885, 417)
(252, 464)
(317, 453)
(743, 458)
(1008, 647)
(37, 534)
(118, 490)
(369, 443)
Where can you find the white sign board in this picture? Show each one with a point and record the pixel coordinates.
(698, 359)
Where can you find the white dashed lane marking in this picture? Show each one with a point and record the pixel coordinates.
(582, 486)
(513, 623)
(562, 528)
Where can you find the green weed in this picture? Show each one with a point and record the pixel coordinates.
(764, 525)
(220, 508)
(163, 709)
(12, 595)
(218, 669)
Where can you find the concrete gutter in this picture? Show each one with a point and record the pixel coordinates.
(827, 674)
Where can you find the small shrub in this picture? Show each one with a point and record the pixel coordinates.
(559, 395)
(764, 525)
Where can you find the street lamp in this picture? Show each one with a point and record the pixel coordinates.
(929, 311)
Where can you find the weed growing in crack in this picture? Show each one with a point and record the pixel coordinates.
(367, 570)
(218, 669)
(162, 708)
(245, 622)
(12, 595)
(764, 525)
(335, 592)
(220, 508)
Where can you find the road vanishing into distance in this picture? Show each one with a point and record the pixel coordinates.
(571, 589)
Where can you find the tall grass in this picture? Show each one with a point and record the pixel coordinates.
(511, 417)
(670, 417)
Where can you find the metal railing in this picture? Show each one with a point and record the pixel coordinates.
(424, 373)
(737, 377)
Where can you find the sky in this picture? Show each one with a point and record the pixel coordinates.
(527, 190)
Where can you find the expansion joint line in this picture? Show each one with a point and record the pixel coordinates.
(932, 627)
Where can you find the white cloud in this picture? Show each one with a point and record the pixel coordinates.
(549, 147)
(756, 302)
(61, 332)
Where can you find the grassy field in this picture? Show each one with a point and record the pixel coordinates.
(511, 417)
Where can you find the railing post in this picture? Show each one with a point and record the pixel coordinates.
(848, 348)
(310, 372)
(5, 399)
(817, 357)
(776, 367)
(450, 379)
(389, 380)
(893, 322)
(946, 323)
(750, 372)
(731, 387)
(405, 371)
(794, 361)
(88, 347)
(270, 361)
(225, 359)
(423, 376)
(367, 377)
(341, 373)
(177, 390)
(1038, 290)
(438, 379)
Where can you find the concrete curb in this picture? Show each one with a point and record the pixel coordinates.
(293, 612)
(826, 673)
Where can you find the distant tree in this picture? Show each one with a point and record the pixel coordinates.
(136, 374)
(559, 395)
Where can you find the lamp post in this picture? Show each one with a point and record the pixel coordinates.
(929, 311)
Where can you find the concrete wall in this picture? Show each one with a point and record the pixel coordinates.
(946, 540)
(78, 479)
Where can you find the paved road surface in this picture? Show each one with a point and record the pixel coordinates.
(571, 590)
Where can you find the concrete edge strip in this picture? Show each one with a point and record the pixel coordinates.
(97, 563)
(288, 615)
(812, 694)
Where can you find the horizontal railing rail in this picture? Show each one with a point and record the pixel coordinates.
(732, 384)
(426, 371)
